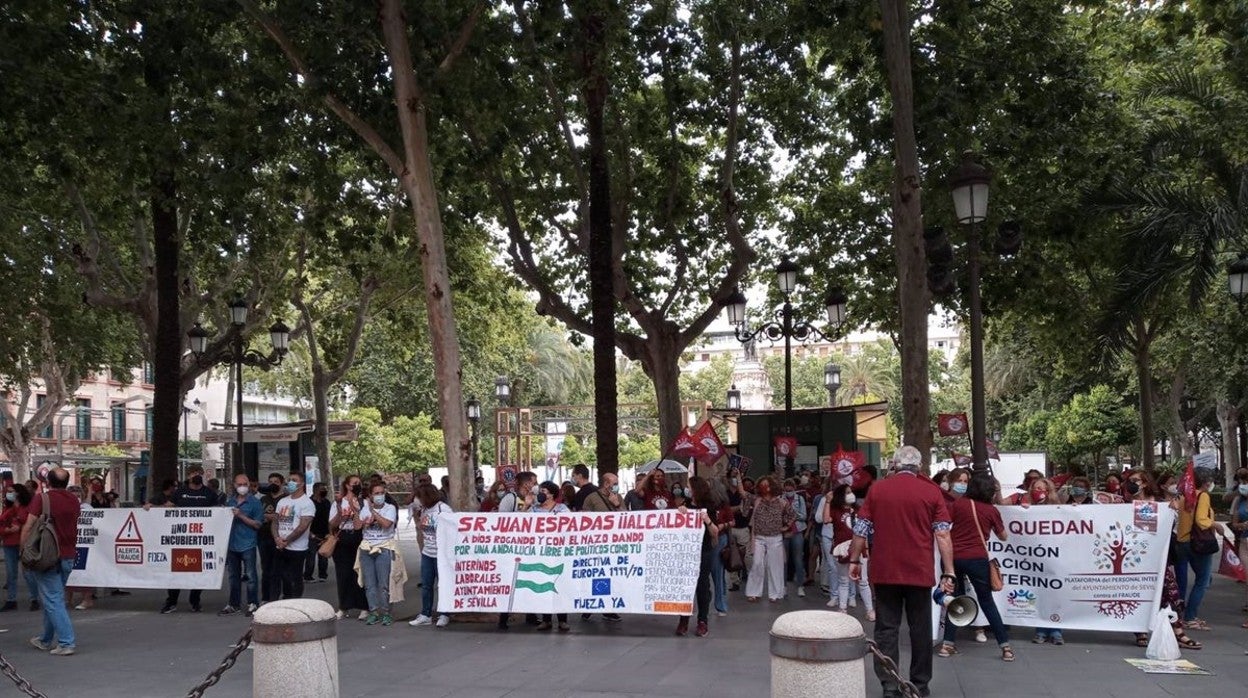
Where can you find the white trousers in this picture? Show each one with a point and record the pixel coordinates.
(768, 559)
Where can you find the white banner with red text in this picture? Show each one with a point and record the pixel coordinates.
(617, 562)
(164, 548)
(1090, 567)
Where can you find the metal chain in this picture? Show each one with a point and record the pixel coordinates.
(22, 684)
(224, 666)
(907, 689)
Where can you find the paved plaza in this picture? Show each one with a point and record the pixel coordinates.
(127, 649)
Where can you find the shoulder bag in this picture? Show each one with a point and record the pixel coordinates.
(1204, 541)
(41, 550)
(994, 568)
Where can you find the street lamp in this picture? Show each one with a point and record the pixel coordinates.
(1237, 279)
(473, 408)
(832, 381)
(734, 398)
(238, 355)
(969, 186)
(502, 389)
(782, 326)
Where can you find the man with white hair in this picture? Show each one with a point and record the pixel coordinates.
(902, 516)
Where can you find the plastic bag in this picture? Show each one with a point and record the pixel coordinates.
(1162, 645)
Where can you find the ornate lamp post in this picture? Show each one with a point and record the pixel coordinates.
(969, 186)
(832, 381)
(734, 398)
(473, 408)
(783, 326)
(238, 354)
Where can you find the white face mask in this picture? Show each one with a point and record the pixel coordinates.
(242, 489)
(379, 499)
(850, 498)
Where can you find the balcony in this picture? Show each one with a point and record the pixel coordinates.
(70, 434)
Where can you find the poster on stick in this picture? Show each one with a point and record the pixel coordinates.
(616, 562)
(1082, 567)
(162, 548)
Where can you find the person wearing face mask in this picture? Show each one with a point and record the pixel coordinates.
(1113, 484)
(16, 500)
(811, 487)
(795, 535)
(240, 556)
(493, 496)
(975, 520)
(1043, 492)
(739, 534)
(770, 515)
(431, 506)
(840, 513)
(546, 503)
(1239, 522)
(343, 520)
(606, 497)
(378, 554)
(270, 495)
(318, 533)
(1080, 491)
(1199, 516)
(291, 530)
(698, 494)
(99, 498)
(654, 490)
(196, 495)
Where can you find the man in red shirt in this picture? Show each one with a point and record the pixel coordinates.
(902, 516)
(64, 508)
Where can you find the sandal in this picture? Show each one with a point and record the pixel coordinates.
(1196, 624)
(1141, 639)
(947, 649)
(1245, 625)
(1186, 641)
(1007, 654)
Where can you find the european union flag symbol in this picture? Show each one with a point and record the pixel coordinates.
(602, 587)
(80, 558)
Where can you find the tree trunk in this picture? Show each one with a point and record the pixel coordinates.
(661, 362)
(907, 211)
(320, 414)
(1228, 420)
(592, 19)
(167, 341)
(1182, 443)
(1143, 374)
(418, 183)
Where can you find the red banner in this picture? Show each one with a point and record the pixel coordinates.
(683, 447)
(952, 424)
(960, 460)
(708, 447)
(993, 453)
(846, 466)
(786, 446)
(1187, 485)
(1231, 566)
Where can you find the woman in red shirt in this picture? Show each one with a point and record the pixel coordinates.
(839, 512)
(974, 520)
(16, 500)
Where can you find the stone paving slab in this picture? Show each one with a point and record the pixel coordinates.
(128, 650)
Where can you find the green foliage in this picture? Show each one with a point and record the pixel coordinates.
(370, 452)
(414, 443)
(710, 383)
(1091, 425)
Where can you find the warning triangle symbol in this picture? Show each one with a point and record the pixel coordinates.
(129, 532)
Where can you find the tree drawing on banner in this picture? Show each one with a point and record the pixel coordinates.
(1117, 609)
(1120, 547)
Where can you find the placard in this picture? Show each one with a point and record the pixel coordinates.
(160, 548)
(614, 562)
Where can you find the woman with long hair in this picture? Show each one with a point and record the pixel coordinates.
(698, 495)
(493, 496)
(975, 520)
(770, 516)
(431, 506)
(546, 503)
(12, 517)
(344, 519)
(1198, 517)
(1041, 492)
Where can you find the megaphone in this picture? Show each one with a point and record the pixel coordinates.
(962, 611)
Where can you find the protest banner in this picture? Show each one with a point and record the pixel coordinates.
(616, 562)
(162, 548)
(1097, 567)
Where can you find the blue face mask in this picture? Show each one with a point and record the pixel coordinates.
(1079, 491)
(1243, 490)
(292, 486)
(959, 488)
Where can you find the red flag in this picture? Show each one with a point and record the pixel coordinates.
(952, 424)
(846, 465)
(1187, 485)
(684, 447)
(960, 460)
(993, 453)
(786, 446)
(709, 448)
(1231, 565)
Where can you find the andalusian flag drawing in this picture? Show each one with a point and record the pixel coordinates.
(537, 578)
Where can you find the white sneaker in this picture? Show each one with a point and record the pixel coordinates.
(363, 615)
(980, 636)
(339, 614)
(853, 603)
(444, 620)
(421, 620)
(801, 592)
(834, 604)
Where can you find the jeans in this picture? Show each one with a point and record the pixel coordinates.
(1202, 567)
(916, 602)
(314, 562)
(768, 566)
(12, 563)
(719, 577)
(238, 563)
(376, 569)
(830, 571)
(428, 581)
(795, 551)
(289, 573)
(845, 586)
(977, 571)
(51, 585)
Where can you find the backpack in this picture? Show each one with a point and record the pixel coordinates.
(41, 551)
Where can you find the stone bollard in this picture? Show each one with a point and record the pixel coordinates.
(296, 649)
(817, 653)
